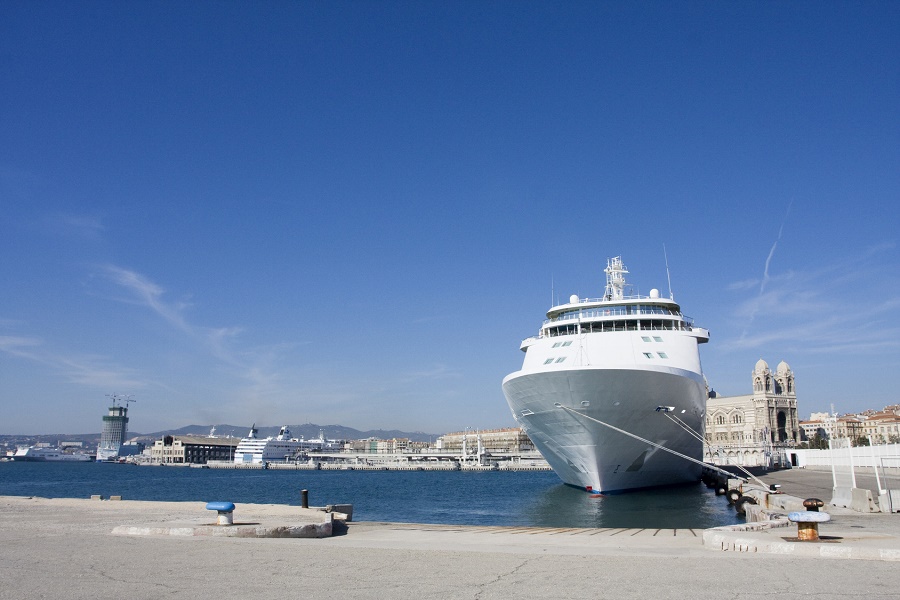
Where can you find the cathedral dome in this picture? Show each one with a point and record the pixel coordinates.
(783, 368)
(761, 366)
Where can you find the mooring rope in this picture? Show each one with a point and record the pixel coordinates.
(646, 441)
(680, 422)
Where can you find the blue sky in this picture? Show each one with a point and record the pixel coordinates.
(352, 212)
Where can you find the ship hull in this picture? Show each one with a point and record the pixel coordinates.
(570, 415)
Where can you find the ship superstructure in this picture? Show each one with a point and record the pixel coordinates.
(611, 390)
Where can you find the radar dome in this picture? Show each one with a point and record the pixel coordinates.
(573, 299)
(654, 293)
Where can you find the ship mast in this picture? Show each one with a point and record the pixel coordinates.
(615, 278)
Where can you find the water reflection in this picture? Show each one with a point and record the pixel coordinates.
(689, 506)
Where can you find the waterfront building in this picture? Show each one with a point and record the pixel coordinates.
(493, 441)
(193, 449)
(882, 427)
(755, 429)
(817, 426)
(375, 445)
(878, 427)
(832, 427)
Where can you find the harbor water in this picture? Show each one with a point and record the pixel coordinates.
(533, 499)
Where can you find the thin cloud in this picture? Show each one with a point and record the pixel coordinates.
(251, 365)
(93, 371)
(20, 346)
(89, 227)
(150, 295)
(812, 312)
(746, 284)
(218, 341)
(437, 372)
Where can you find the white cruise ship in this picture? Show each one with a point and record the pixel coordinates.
(611, 390)
(281, 448)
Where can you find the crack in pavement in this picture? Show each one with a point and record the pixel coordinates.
(500, 577)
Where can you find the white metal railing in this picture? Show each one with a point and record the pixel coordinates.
(858, 456)
(888, 477)
(616, 311)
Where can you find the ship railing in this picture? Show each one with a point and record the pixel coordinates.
(617, 325)
(624, 297)
(615, 311)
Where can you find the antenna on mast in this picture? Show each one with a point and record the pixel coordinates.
(615, 279)
(668, 276)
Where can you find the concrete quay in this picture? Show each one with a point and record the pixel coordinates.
(189, 519)
(67, 548)
(849, 534)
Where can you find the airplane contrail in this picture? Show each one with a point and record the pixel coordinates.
(765, 277)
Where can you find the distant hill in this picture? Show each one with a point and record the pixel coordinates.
(306, 430)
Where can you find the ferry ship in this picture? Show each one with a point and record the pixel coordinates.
(33, 453)
(281, 448)
(611, 391)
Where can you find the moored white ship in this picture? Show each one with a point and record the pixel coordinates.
(611, 390)
(280, 448)
(35, 454)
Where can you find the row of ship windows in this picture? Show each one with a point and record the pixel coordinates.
(563, 358)
(629, 325)
(615, 310)
(646, 338)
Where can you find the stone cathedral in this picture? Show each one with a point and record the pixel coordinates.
(755, 429)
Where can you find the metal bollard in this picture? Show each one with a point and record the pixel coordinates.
(813, 504)
(304, 498)
(808, 524)
(225, 512)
